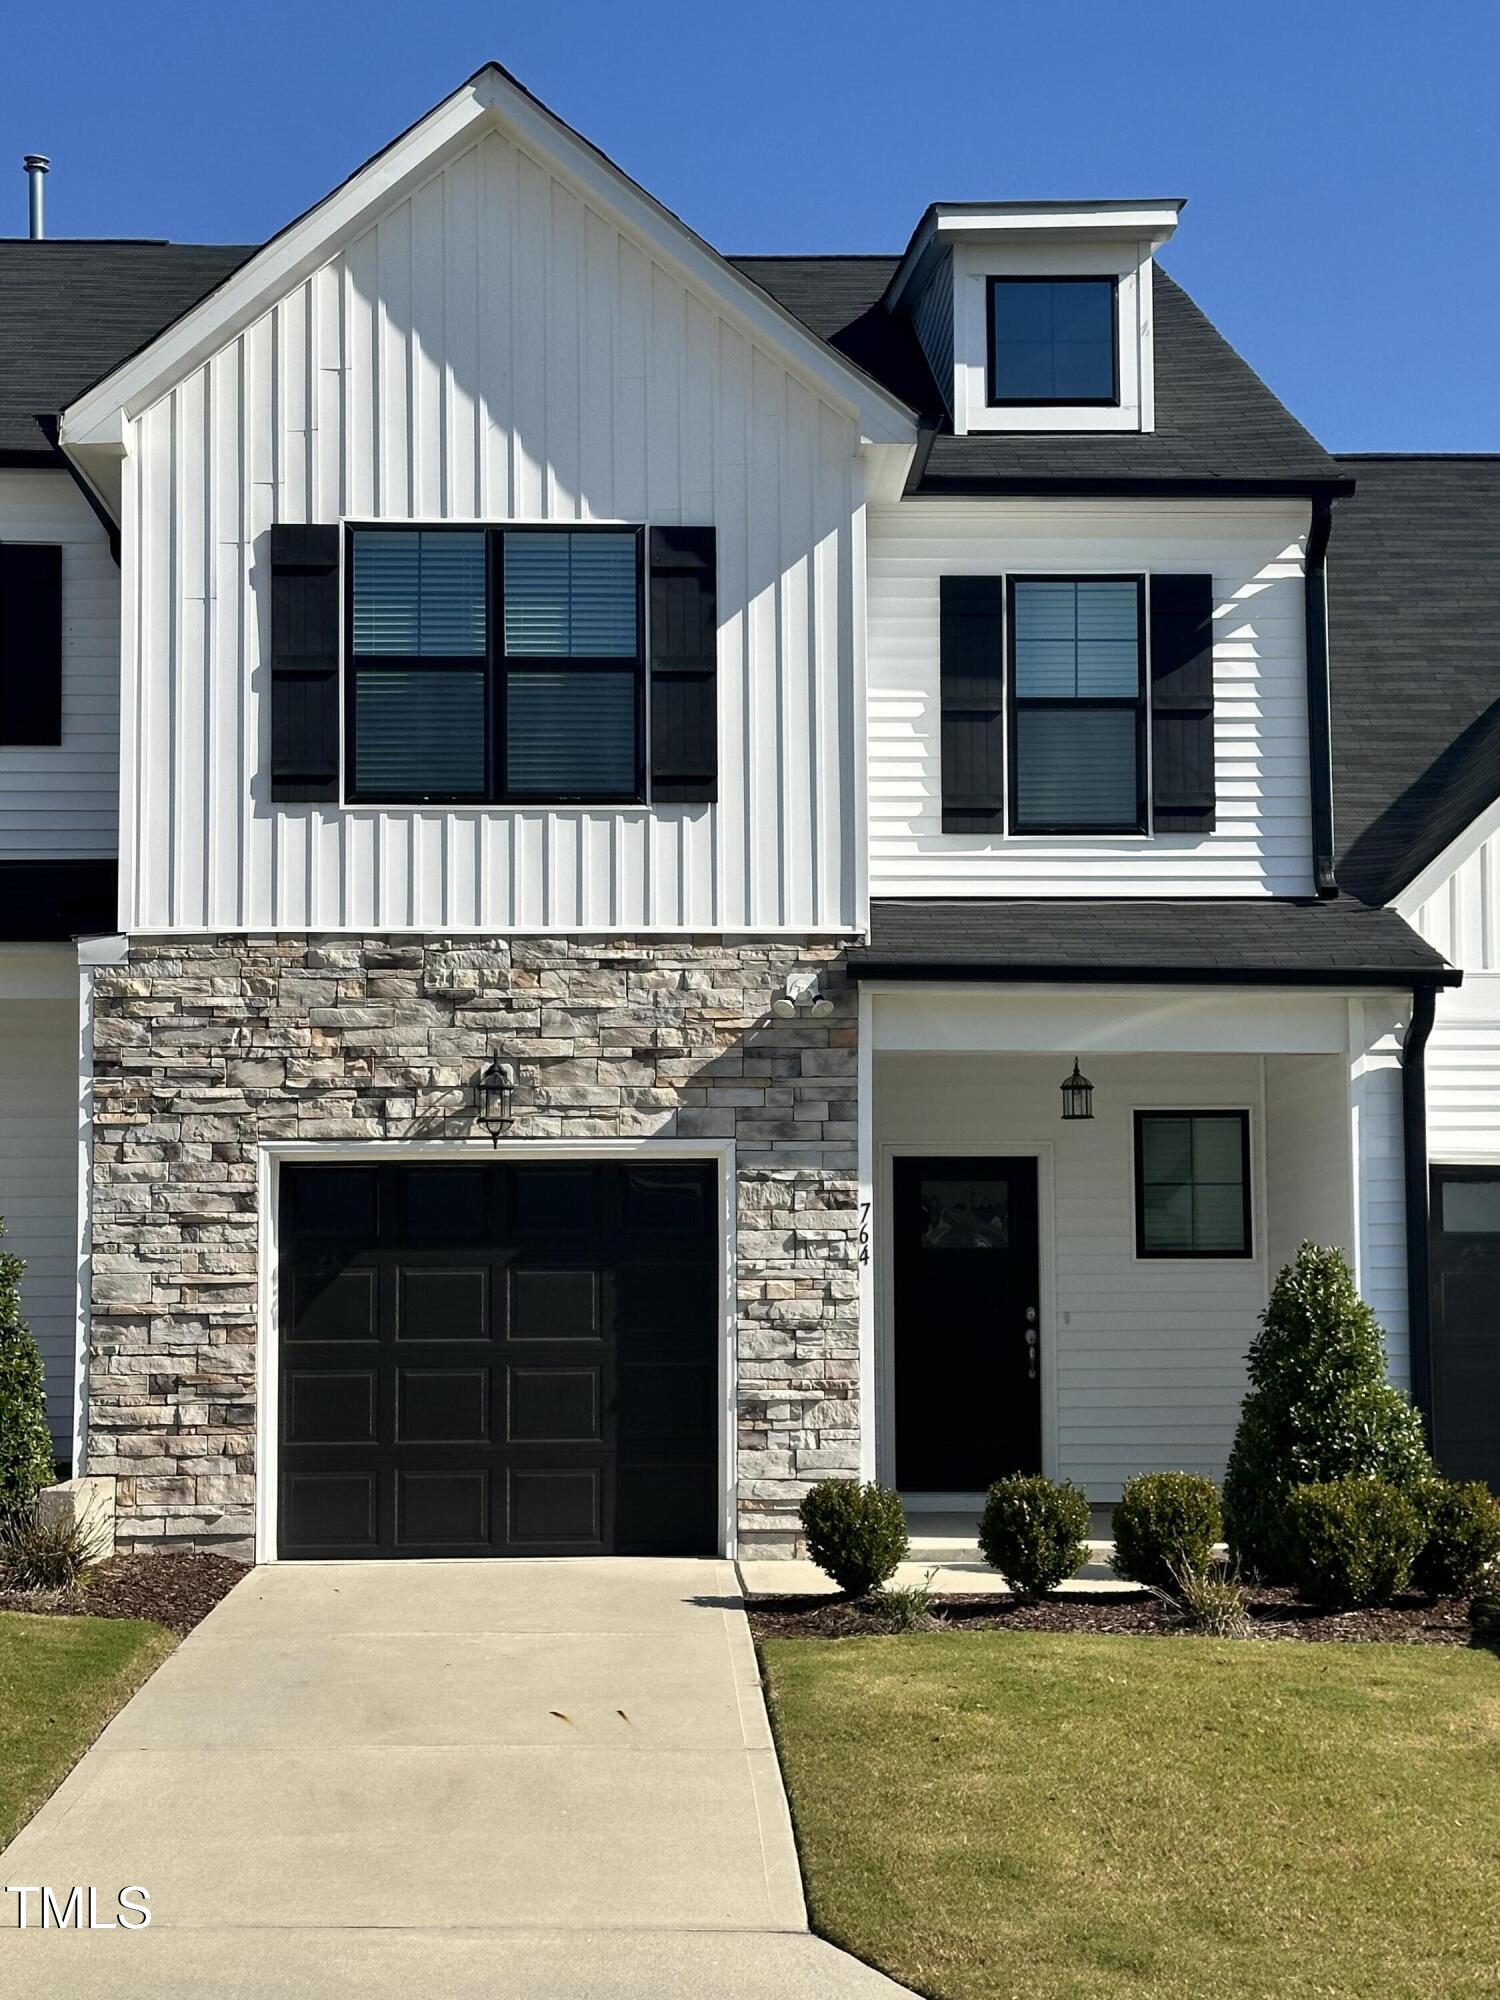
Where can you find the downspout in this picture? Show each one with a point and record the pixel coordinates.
(1418, 1197)
(1319, 731)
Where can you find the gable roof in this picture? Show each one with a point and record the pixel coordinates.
(69, 310)
(492, 94)
(1414, 661)
(1217, 424)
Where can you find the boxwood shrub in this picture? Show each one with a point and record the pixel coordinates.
(1034, 1530)
(1352, 1542)
(855, 1534)
(1165, 1528)
(1461, 1522)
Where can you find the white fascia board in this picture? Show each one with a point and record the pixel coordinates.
(1422, 888)
(100, 417)
(950, 222)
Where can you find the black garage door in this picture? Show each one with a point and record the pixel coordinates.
(1466, 1322)
(498, 1359)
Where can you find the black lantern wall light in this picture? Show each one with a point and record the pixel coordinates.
(497, 1090)
(1077, 1094)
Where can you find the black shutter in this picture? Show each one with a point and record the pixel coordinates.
(971, 668)
(684, 665)
(304, 663)
(30, 643)
(1182, 704)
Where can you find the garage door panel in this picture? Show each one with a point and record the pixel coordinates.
(443, 1406)
(556, 1406)
(506, 1351)
(451, 1303)
(446, 1509)
(1466, 1323)
(324, 1303)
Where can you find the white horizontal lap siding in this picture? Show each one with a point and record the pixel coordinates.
(1262, 843)
(59, 801)
(493, 348)
(39, 1182)
(1147, 1354)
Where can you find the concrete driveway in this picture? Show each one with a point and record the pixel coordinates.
(534, 1779)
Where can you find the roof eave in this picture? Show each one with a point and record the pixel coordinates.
(1124, 486)
(866, 964)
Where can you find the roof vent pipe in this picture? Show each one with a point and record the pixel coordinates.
(36, 165)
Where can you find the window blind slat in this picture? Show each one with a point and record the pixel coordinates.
(570, 595)
(419, 731)
(419, 594)
(571, 731)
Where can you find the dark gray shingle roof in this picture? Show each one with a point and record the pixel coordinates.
(71, 311)
(1216, 421)
(1414, 662)
(1247, 940)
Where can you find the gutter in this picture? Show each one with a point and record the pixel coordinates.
(96, 506)
(865, 962)
(1319, 702)
(1418, 1196)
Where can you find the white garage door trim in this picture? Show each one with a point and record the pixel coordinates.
(272, 1156)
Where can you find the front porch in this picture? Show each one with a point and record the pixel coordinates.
(1077, 1296)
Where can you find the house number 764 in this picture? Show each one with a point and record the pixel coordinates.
(864, 1232)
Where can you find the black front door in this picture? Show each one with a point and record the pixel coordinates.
(1466, 1322)
(499, 1359)
(967, 1323)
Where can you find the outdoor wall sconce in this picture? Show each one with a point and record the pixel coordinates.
(497, 1089)
(802, 996)
(1077, 1094)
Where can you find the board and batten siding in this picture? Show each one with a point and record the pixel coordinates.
(1461, 919)
(39, 1182)
(1262, 842)
(59, 802)
(492, 348)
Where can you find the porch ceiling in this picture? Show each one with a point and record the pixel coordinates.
(1337, 943)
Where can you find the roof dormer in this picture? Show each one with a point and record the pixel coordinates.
(1036, 316)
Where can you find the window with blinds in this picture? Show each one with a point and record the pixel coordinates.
(1078, 705)
(1192, 1184)
(495, 664)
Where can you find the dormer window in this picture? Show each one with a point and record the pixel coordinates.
(1053, 341)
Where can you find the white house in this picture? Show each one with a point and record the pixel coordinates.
(728, 869)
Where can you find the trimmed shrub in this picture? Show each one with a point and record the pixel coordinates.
(1165, 1528)
(26, 1461)
(1319, 1408)
(1352, 1541)
(1033, 1531)
(1461, 1521)
(855, 1534)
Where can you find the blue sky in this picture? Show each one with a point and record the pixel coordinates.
(1340, 160)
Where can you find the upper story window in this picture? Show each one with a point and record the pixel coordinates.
(1078, 696)
(1053, 341)
(495, 664)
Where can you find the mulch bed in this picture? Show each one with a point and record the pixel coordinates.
(1277, 1614)
(177, 1591)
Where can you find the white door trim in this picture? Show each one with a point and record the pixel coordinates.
(1040, 1150)
(272, 1155)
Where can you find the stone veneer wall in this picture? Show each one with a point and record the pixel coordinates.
(203, 1048)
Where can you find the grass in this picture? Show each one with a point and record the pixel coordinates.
(990, 1814)
(61, 1679)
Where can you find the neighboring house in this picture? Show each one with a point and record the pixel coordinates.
(640, 775)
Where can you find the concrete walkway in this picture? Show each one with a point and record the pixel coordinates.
(544, 1779)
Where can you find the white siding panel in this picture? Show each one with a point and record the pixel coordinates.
(494, 347)
(1461, 919)
(1146, 1368)
(1380, 1180)
(1262, 844)
(59, 801)
(1309, 1188)
(39, 1182)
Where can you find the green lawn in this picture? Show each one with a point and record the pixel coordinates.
(61, 1679)
(1017, 1814)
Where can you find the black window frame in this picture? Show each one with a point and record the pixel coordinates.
(1218, 1111)
(496, 667)
(1015, 703)
(1444, 1177)
(998, 278)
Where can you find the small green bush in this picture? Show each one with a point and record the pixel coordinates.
(907, 1607)
(1165, 1527)
(26, 1461)
(1462, 1525)
(855, 1534)
(1033, 1531)
(1352, 1541)
(45, 1555)
(1319, 1408)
